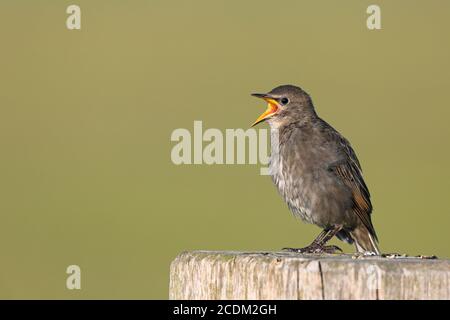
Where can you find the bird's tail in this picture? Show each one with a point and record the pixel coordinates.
(364, 240)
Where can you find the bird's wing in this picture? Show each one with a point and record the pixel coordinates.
(349, 171)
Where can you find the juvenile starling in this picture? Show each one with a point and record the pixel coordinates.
(317, 172)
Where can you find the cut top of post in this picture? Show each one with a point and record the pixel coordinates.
(285, 275)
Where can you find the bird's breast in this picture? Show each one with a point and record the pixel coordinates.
(292, 184)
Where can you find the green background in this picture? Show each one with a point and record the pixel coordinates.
(86, 117)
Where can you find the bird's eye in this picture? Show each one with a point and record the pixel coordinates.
(284, 101)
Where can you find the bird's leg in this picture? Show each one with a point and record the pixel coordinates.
(318, 245)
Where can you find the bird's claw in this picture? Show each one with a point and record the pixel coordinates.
(315, 249)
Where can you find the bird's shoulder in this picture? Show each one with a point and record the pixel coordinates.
(347, 155)
(320, 136)
(336, 141)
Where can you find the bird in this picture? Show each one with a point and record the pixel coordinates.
(317, 173)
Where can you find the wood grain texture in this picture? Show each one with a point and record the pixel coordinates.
(283, 275)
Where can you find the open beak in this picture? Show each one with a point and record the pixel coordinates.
(272, 107)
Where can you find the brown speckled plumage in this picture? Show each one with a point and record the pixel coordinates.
(318, 174)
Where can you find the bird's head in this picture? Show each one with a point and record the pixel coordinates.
(286, 104)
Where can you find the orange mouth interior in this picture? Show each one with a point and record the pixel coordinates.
(272, 108)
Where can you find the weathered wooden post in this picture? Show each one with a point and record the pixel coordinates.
(283, 275)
